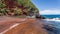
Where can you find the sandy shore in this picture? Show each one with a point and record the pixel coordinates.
(9, 25)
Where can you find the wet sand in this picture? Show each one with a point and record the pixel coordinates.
(11, 25)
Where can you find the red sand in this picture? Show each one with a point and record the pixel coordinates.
(26, 26)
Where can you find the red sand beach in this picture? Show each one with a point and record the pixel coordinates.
(12, 25)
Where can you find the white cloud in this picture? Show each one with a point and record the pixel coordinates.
(50, 12)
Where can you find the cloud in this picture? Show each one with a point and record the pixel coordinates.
(50, 12)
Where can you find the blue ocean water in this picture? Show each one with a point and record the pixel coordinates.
(55, 27)
(52, 27)
(51, 16)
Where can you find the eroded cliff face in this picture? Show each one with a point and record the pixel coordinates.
(17, 8)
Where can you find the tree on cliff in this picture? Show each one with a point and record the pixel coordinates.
(24, 7)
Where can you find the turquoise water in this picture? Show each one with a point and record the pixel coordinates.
(51, 16)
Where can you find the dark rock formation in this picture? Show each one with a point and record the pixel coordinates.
(19, 7)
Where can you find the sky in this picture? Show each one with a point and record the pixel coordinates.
(47, 7)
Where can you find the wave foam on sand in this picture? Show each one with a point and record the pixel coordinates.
(54, 19)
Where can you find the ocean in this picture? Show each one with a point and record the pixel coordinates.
(52, 26)
(51, 16)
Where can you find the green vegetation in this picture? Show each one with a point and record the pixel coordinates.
(17, 11)
(22, 7)
(2, 4)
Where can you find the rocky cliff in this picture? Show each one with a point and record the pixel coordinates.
(17, 8)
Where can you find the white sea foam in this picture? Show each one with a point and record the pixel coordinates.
(54, 19)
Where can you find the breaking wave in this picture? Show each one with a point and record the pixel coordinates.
(54, 19)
